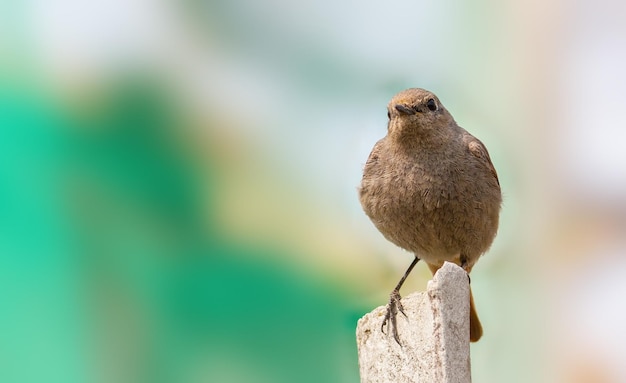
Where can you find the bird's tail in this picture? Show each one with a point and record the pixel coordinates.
(476, 329)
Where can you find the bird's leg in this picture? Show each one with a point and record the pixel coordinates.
(395, 305)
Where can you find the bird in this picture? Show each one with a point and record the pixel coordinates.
(430, 188)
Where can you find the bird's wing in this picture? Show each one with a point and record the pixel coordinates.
(477, 148)
(373, 157)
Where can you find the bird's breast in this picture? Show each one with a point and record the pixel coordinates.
(424, 206)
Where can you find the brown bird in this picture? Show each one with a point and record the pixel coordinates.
(430, 188)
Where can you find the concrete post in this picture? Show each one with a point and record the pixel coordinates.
(434, 335)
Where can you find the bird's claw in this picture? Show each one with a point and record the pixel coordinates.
(393, 307)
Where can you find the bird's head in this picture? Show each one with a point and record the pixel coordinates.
(417, 114)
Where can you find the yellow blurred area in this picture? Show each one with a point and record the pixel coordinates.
(178, 184)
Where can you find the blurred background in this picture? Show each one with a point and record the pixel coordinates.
(178, 184)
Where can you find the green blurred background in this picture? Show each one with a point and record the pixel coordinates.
(178, 184)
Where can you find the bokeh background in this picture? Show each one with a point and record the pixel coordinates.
(178, 184)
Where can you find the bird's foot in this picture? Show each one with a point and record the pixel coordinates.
(463, 265)
(393, 307)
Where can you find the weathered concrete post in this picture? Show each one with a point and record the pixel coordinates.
(434, 335)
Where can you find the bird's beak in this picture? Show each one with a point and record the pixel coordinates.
(404, 109)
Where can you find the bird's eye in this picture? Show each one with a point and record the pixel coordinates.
(389, 115)
(431, 104)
